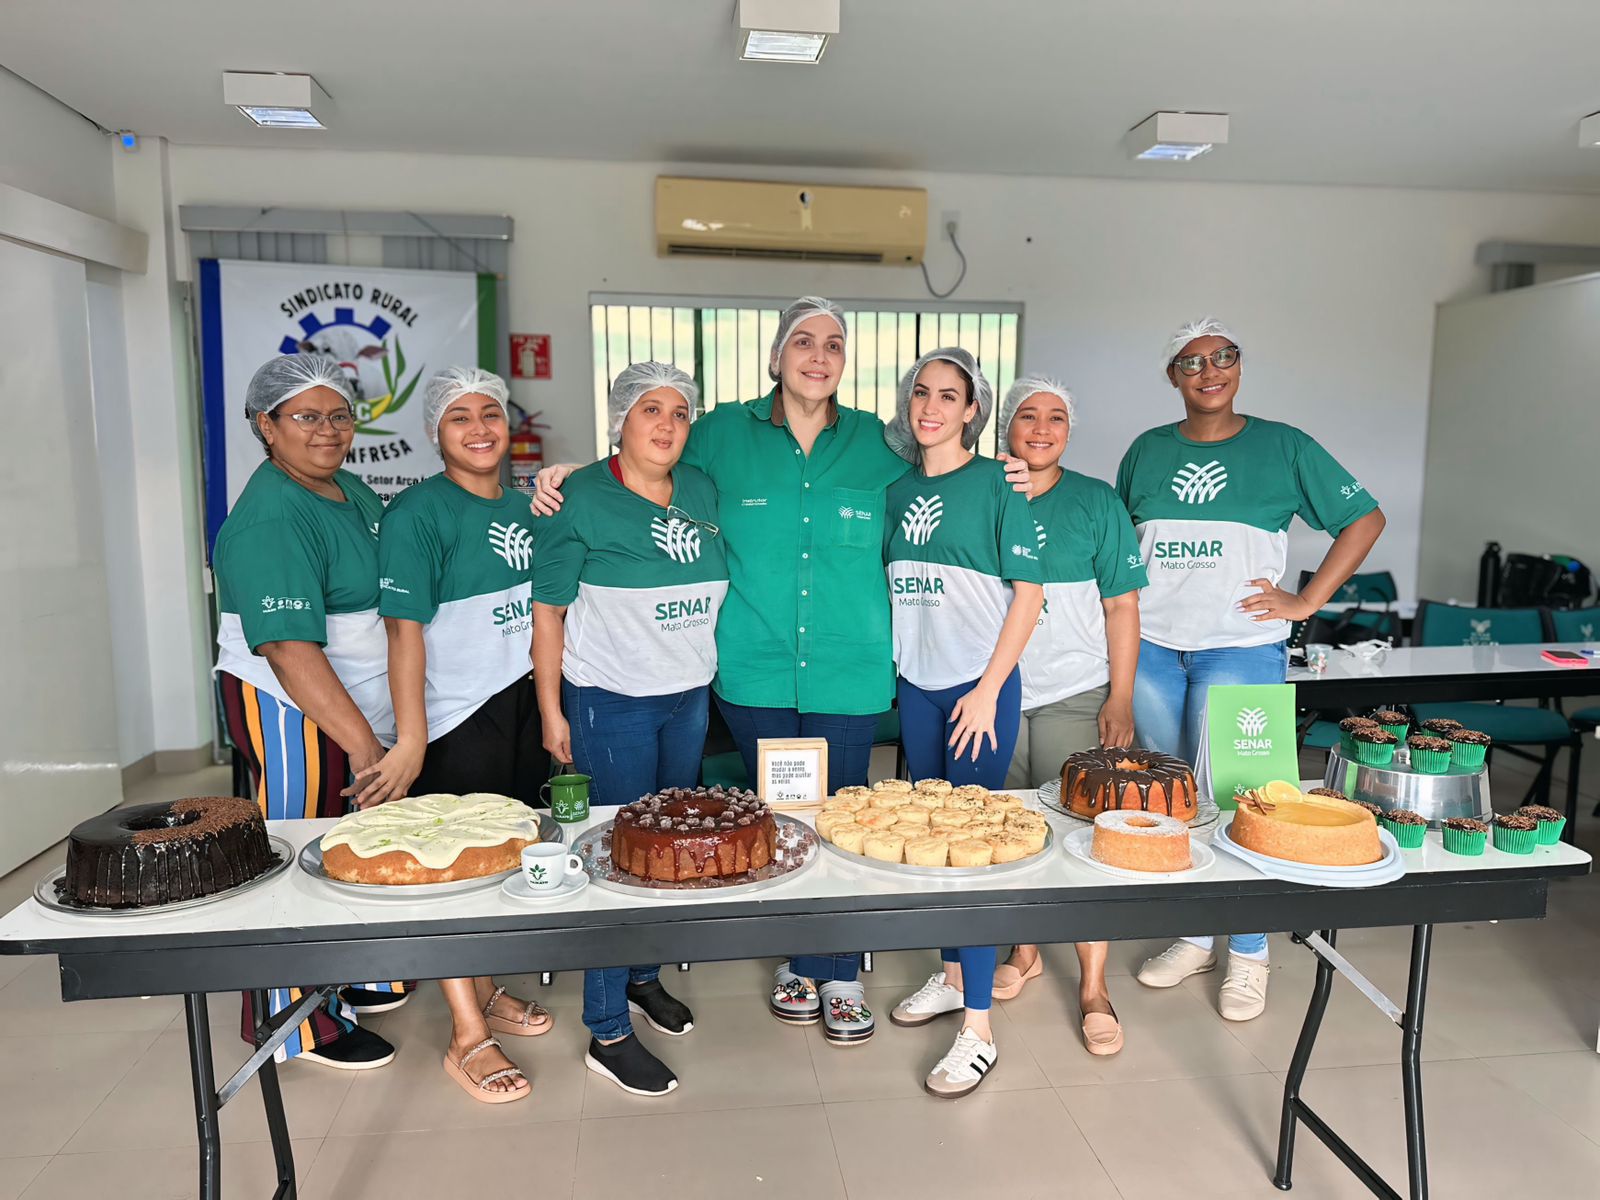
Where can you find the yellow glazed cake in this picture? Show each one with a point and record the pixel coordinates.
(1280, 821)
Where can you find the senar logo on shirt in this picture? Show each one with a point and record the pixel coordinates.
(1195, 484)
(1040, 534)
(284, 604)
(676, 538)
(1184, 556)
(922, 517)
(513, 543)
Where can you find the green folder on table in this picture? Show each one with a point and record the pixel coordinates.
(1250, 740)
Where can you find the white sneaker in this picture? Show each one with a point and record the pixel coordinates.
(1244, 992)
(1175, 964)
(961, 1070)
(932, 999)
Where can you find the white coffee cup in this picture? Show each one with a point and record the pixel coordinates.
(546, 866)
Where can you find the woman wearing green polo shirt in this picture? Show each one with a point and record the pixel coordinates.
(301, 667)
(1078, 668)
(1212, 497)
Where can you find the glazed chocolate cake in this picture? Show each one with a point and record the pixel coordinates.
(154, 854)
(1097, 781)
(693, 833)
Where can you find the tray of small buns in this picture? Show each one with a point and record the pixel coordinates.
(934, 829)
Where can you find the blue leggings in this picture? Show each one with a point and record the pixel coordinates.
(925, 730)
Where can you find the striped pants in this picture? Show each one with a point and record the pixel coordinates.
(297, 773)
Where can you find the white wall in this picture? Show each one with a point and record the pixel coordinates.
(1331, 289)
(49, 150)
(1513, 432)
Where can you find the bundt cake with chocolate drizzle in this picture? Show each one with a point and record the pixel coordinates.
(693, 833)
(1115, 778)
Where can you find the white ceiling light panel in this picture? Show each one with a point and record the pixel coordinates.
(791, 31)
(1176, 136)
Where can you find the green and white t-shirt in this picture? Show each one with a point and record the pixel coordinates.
(642, 584)
(1212, 516)
(293, 566)
(1090, 554)
(462, 567)
(954, 544)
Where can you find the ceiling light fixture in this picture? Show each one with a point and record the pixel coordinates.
(1589, 131)
(1176, 136)
(791, 31)
(275, 100)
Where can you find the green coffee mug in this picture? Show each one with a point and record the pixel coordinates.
(568, 797)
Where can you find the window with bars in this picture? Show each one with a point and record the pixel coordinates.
(724, 345)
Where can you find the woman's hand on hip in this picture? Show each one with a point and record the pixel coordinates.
(1116, 722)
(973, 718)
(390, 777)
(558, 737)
(1272, 603)
(547, 483)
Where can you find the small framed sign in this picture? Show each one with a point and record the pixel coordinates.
(792, 771)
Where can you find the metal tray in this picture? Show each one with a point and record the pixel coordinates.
(310, 861)
(989, 872)
(797, 844)
(1459, 792)
(45, 891)
(1206, 812)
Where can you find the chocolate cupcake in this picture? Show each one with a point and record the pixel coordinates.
(1463, 835)
(1551, 822)
(1468, 747)
(1442, 726)
(1430, 755)
(1347, 729)
(1374, 745)
(1407, 827)
(1395, 722)
(1331, 793)
(1515, 833)
(1375, 810)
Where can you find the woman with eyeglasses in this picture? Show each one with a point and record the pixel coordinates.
(301, 656)
(1212, 497)
(631, 579)
(964, 570)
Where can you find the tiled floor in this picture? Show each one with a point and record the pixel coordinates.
(94, 1097)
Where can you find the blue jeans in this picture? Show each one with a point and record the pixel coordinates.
(925, 733)
(977, 974)
(1169, 710)
(630, 746)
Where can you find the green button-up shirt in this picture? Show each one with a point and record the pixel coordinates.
(806, 622)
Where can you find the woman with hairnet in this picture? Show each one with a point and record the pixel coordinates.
(301, 663)
(455, 571)
(632, 581)
(1078, 668)
(966, 580)
(1212, 497)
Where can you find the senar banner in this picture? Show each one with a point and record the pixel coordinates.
(389, 329)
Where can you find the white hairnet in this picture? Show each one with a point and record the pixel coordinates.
(789, 320)
(452, 383)
(633, 381)
(1189, 330)
(284, 378)
(1030, 385)
(898, 432)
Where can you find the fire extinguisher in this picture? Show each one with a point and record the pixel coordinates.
(527, 451)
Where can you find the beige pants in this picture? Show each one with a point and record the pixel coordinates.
(1051, 732)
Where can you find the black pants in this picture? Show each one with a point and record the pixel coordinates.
(498, 749)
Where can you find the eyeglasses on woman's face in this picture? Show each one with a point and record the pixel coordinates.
(309, 422)
(1221, 358)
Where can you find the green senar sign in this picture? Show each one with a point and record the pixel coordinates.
(1250, 739)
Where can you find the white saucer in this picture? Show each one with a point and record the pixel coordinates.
(516, 888)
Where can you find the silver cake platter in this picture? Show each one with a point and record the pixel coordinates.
(310, 861)
(1459, 792)
(797, 850)
(1205, 816)
(989, 872)
(46, 894)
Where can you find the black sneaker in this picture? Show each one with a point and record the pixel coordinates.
(631, 1067)
(658, 1007)
(366, 1002)
(358, 1050)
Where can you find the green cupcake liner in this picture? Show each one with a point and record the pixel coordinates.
(1516, 841)
(1464, 841)
(1347, 745)
(1409, 837)
(1431, 762)
(1550, 831)
(1399, 732)
(1467, 755)
(1374, 754)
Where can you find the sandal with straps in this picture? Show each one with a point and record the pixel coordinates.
(534, 1021)
(480, 1089)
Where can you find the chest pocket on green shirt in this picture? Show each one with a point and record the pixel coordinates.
(856, 519)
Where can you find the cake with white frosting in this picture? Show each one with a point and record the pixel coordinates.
(430, 839)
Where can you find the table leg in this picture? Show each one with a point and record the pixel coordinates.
(272, 1101)
(1411, 1061)
(206, 1109)
(1320, 991)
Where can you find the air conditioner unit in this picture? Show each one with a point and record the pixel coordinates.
(726, 218)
